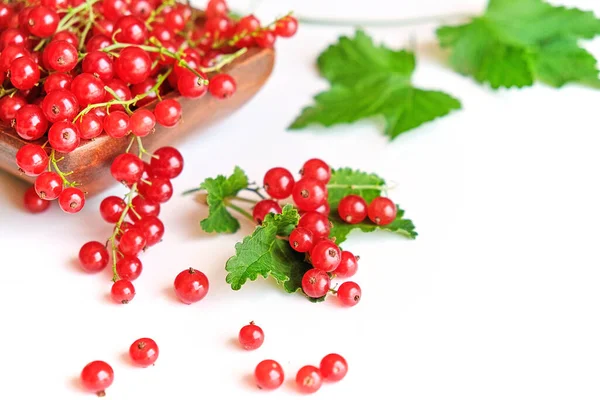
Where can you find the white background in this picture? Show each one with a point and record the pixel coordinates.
(498, 297)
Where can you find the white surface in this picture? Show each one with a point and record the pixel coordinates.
(498, 298)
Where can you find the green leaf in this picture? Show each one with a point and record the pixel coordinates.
(368, 81)
(401, 226)
(516, 42)
(218, 190)
(345, 181)
(264, 254)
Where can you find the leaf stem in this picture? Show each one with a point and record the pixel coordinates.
(245, 200)
(255, 190)
(240, 210)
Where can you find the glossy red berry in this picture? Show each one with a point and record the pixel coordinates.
(42, 21)
(263, 208)
(309, 379)
(60, 105)
(97, 42)
(316, 169)
(61, 56)
(132, 242)
(71, 200)
(131, 30)
(32, 159)
(142, 207)
(103, 27)
(349, 293)
(66, 36)
(152, 228)
(57, 80)
(129, 268)
(216, 8)
(9, 107)
(244, 30)
(97, 376)
(348, 265)
(111, 209)
(177, 17)
(99, 64)
(268, 374)
(142, 122)
(222, 86)
(156, 189)
(63, 136)
(93, 257)
(315, 283)
(166, 162)
(309, 194)
(122, 291)
(278, 183)
(318, 224)
(24, 73)
(191, 286)
(352, 209)
(113, 9)
(116, 124)
(33, 203)
(301, 240)
(333, 367)
(286, 26)
(191, 85)
(127, 168)
(90, 126)
(122, 93)
(144, 87)
(251, 336)
(265, 39)
(168, 112)
(30, 122)
(10, 54)
(325, 255)
(48, 185)
(88, 89)
(133, 65)
(382, 211)
(144, 352)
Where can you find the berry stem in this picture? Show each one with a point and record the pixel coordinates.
(226, 59)
(54, 165)
(157, 11)
(63, 24)
(88, 25)
(256, 191)
(113, 239)
(4, 92)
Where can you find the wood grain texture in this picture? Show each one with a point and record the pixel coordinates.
(91, 161)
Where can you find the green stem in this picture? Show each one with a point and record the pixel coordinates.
(225, 60)
(88, 25)
(54, 163)
(256, 191)
(113, 238)
(63, 24)
(4, 92)
(240, 210)
(245, 200)
(190, 191)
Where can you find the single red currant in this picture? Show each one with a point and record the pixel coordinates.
(88, 89)
(42, 21)
(191, 85)
(168, 112)
(127, 168)
(133, 65)
(316, 169)
(145, 87)
(71, 200)
(144, 352)
(93, 257)
(222, 86)
(142, 122)
(156, 189)
(265, 39)
(32, 159)
(382, 211)
(122, 291)
(251, 336)
(309, 379)
(97, 42)
(33, 203)
(113, 9)
(309, 194)
(301, 240)
(142, 207)
(60, 55)
(264, 208)
(286, 26)
(30, 122)
(325, 255)
(57, 80)
(9, 107)
(348, 265)
(99, 64)
(333, 367)
(131, 30)
(103, 27)
(48, 185)
(116, 124)
(166, 162)
(268, 375)
(111, 209)
(90, 126)
(60, 105)
(315, 283)
(24, 73)
(191, 286)
(278, 183)
(349, 293)
(10, 54)
(177, 18)
(129, 268)
(132, 242)
(63, 136)
(122, 94)
(352, 209)
(318, 224)
(67, 36)
(152, 228)
(244, 30)
(216, 8)
(97, 376)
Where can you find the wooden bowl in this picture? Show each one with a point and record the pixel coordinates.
(91, 161)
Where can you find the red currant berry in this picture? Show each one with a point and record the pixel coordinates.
(24, 73)
(286, 26)
(191, 85)
(323, 209)
(278, 183)
(9, 107)
(166, 162)
(325, 255)
(99, 64)
(133, 65)
(382, 211)
(97, 42)
(143, 352)
(97, 376)
(6, 14)
(63, 136)
(88, 89)
(103, 27)
(57, 80)
(111, 209)
(33, 203)
(251, 336)
(142, 207)
(317, 224)
(132, 242)
(90, 126)
(216, 8)
(127, 168)
(30, 122)
(222, 86)
(265, 39)
(116, 124)
(60, 105)
(122, 291)
(152, 228)
(316, 169)
(301, 240)
(244, 30)
(268, 375)
(145, 87)
(125, 226)
(333, 367)
(132, 30)
(177, 18)
(191, 286)
(349, 293)
(71, 200)
(309, 379)
(168, 112)
(315, 283)
(352, 209)
(348, 265)
(157, 189)
(10, 54)
(42, 21)
(32, 159)
(141, 122)
(93, 257)
(309, 194)
(67, 36)
(61, 55)
(48, 185)
(121, 90)
(113, 9)
(129, 268)
(264, 208)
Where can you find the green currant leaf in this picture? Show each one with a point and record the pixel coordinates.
(516, 42)
(369, 80)
(218, 190)
(345, 181)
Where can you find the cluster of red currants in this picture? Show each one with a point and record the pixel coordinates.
(73, 69)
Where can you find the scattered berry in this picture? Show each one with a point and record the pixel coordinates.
(191, 286)
(333, 367)
(268, 375)
(93, 257)
(301, 240)
(309, 379)
(97, 376)
(251, 336)
(144, 352)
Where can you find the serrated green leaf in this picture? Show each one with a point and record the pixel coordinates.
(218, 190)
(401, 226)
(345, 181)
(517, 41)
(369, 80)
